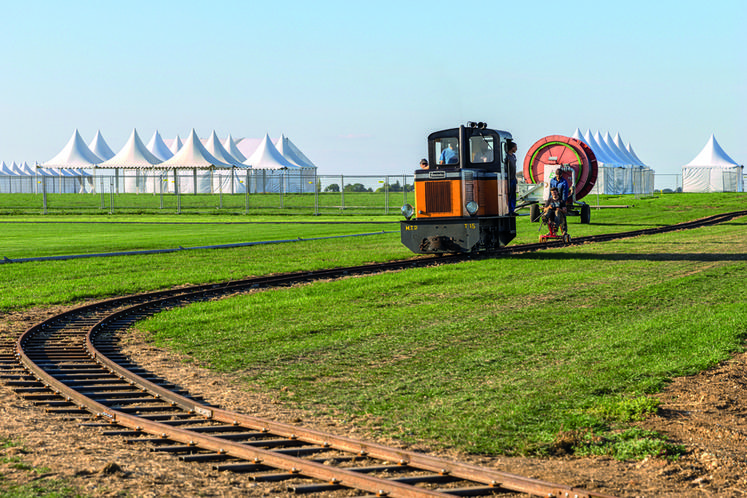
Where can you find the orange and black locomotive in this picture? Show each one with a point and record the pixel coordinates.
(462, 195)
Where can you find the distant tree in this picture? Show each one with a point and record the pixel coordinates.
(332, 187)
(357, 187)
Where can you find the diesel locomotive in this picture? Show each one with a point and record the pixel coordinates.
(462, 195)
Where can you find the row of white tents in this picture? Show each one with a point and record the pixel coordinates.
(190, 166)
(620, 170)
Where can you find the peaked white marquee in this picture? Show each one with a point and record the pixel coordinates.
(75, 154)
(158, 147)
(216, 148)
(267, 156)
(599, 152)
(292, 153)
(176, 144)
(99, 147)
(193, 154)
(230, 146)
(134, 154)
(712, 155)
(618, 141)
(634, 155)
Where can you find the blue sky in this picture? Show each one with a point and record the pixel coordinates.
(358, 86)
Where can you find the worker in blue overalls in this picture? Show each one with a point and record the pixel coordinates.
(561, 184)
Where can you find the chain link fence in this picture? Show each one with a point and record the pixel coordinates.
(257, 192)
(191, 192)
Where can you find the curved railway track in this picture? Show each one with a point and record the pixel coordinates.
(71, 363)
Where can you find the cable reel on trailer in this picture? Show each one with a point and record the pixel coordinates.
(574, 158)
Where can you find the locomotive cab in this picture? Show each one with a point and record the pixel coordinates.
(461, 199)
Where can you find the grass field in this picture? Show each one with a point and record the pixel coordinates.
(496, 356)
(106, 203)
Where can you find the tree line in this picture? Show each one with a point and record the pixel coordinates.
(359, 187)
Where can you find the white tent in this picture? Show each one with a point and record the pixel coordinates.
(601, 154)
(158, 147)
(58, 181)
(613, 159)
(6, 179)
(247, 146)
(268, 168)
(625, 160)
(99, 147)
(193, 155)
(292, 153)
(175, 145)
(75, 154)
(21, 182)
(267, 156)
(232, 181)
(130, 162)
(712, 170)
(230, 145)
(634, 155)
(617, 140)
(619, 171)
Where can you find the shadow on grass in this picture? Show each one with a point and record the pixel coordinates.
(638, 225)
(635, 257)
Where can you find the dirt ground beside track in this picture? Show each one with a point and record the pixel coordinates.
(707, 413)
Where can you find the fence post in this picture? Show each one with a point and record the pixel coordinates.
(178, 193)
(44, 193)
(342, 193)
(246, 193)
(111, 193)
(317, 187)
(386, 194)
(282, 184)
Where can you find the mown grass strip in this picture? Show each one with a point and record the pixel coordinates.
(494, 356)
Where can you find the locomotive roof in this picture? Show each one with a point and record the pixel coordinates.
(454, 132)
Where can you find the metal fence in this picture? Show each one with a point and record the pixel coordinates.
(178, 193)
(186, 191)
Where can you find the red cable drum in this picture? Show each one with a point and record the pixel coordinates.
(558, 150)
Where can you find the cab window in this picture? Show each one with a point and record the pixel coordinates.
(447, 151)
(481, 149)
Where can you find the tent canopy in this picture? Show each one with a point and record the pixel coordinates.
(712, 170)
(75, 154)
(712, 155)
(99, 147)
(193, 154)
(230, 146)
(268, 157)
(216, 148)
(159, 148)
(292, 153)
(134, 154)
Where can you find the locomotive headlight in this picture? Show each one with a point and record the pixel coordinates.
(472, 208)
(407, 211)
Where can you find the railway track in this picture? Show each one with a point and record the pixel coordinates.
(71, 364)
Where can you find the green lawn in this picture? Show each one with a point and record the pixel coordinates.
(493, 356)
